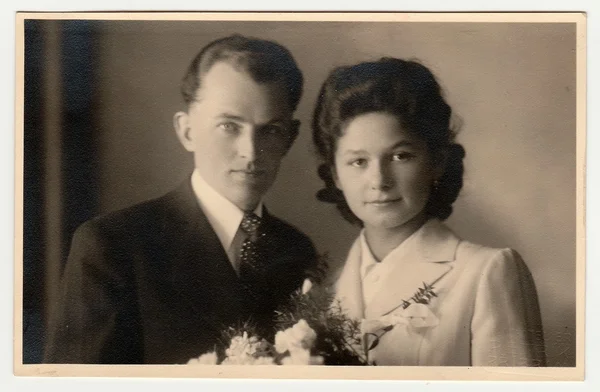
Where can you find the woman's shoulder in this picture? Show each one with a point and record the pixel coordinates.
(480, 258)
(468, 249)
(439, 238)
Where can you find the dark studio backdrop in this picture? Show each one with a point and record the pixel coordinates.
(98, 136)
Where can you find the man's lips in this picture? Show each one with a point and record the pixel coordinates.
(249, 173)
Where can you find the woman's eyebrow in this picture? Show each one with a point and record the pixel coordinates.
(403, 143)
(354, 152)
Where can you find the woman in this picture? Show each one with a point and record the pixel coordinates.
(425, 296)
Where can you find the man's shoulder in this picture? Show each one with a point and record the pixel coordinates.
(134, 213)
(290, 233)
(138, 217)
(279, 224)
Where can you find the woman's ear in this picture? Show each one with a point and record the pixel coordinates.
(334, 176)
(181, 123)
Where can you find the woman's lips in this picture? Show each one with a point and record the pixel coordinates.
(382, 202)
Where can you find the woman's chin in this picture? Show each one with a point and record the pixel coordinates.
(394, 222)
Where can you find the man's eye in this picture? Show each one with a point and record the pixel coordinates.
(273, 130)
(229, 126)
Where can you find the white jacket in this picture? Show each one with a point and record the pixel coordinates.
(486, 307)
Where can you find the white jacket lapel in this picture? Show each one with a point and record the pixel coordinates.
(425, 257)
(349, 287)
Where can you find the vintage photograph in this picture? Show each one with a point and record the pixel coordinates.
(359, 195)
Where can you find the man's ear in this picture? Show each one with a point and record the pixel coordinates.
(181, 123)
(294, 130)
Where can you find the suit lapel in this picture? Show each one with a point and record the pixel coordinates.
(425, 257)
(200, 268)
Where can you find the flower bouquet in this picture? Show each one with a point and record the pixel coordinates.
(292, 347)
(312, 329)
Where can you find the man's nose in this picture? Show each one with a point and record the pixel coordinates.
(380, 176)
(247, 144)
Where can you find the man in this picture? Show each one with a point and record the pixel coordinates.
(161, 281)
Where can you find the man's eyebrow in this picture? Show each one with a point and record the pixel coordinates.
(235, 117)
(276, 120)
(229, 116)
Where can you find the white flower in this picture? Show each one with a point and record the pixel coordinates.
(299, 337)
(301, 357)
(243, 345)
(204, 359)
(306, 286)
(415, 316)
(244, 350)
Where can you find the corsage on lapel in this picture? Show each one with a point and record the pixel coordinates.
(412, 313)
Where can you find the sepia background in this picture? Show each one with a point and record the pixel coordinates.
(98, 136)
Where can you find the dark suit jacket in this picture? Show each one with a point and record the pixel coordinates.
(152, 284)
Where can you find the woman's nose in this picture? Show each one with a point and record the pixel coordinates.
(380, 177)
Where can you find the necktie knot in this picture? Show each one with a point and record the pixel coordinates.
(250, 223)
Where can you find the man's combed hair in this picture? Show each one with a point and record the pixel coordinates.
(264, 61)
(405, 89)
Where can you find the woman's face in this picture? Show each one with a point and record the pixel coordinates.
(384, 171)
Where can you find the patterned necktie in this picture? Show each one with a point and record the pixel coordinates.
(250, 252)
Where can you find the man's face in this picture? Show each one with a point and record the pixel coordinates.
(239, 131)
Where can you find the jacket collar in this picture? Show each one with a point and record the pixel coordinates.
(224, 216)
(434, 242)
(425, 257)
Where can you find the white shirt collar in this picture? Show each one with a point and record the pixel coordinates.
(368, 260)
(224, 216)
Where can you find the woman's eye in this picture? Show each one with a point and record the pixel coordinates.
(402, 156)
(360, 162)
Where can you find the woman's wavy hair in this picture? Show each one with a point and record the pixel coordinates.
(405, 89)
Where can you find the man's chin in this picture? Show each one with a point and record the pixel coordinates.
(247, 198)
(249, 179)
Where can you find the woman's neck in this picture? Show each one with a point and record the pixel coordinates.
(383, 240)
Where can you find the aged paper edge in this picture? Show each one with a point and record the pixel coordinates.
(312, 372)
